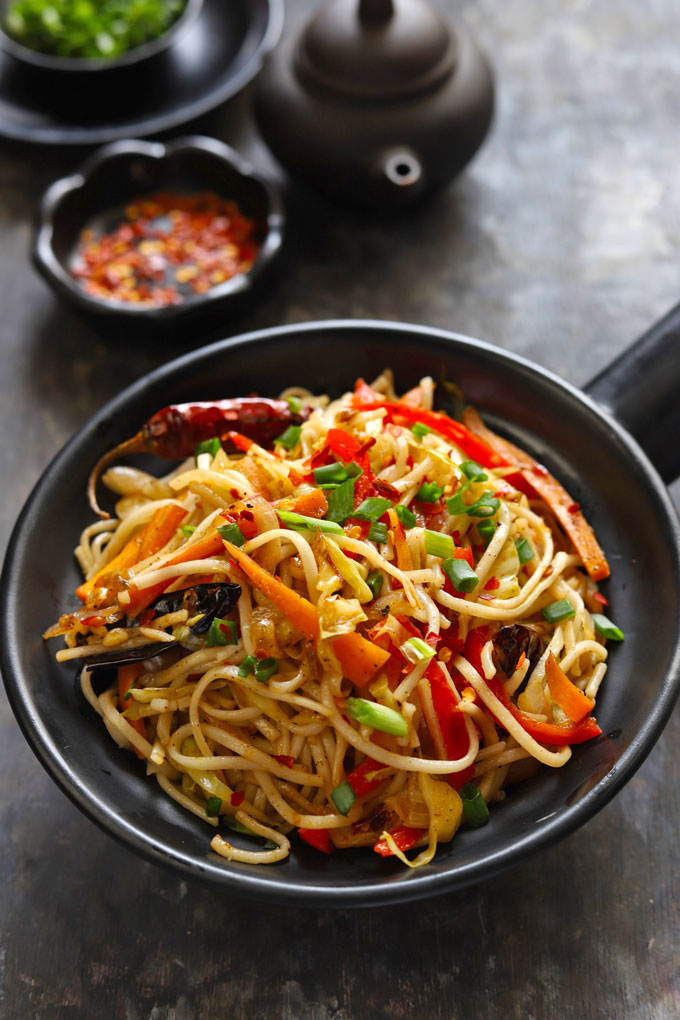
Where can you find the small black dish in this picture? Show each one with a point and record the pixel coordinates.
(208, 62)
(123, 171)
(48, 62)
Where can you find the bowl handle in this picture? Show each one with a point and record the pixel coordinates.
(641, 388)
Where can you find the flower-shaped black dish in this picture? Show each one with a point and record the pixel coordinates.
(88, 66)
(122, 171)
(594, 455)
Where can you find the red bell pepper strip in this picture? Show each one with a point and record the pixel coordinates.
(474, 646)
(451, 724)
(549, 489)
(553, 734)
(318, 838)
(367, 777)
(475, 448)
(364, 394)
(404, 838)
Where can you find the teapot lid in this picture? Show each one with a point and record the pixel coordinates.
(377, 49)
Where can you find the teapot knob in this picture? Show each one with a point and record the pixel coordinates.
(401, 168)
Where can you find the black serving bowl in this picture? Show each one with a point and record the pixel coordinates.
(95, 196)
(594, 455)
(47, 62)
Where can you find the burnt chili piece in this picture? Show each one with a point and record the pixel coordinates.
(176, 431)
(510, 642)
(213, 600)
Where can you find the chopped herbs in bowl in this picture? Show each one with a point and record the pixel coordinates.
(85, 34)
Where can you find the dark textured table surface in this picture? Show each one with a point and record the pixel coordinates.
(561, 243)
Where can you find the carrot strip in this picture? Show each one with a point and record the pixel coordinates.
(148, 540)
(311, 504)
(126, 677)
(571, 700)
(359, 658)
(401, 546)
(140, 598)
(548, 488)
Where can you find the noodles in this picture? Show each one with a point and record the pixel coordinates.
(356, 635)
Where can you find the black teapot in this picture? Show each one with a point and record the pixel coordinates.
(376, 102)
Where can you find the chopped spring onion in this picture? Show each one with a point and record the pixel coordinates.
(486, 529)
(455, 505)
(606, 628)
(343, 796)
(188, 530)
(213, 806)
(222, 632)
(524, 550)
(437, 544)
(371, 509)
(295, 405)
(211, 446)
(556, 611)
(486, 506)
(298, 522)
(429, 492)
(331, 474)
(378, 532)
(247, 666)
(475, 811)
(406, 516)
(474, 471)
(265, 668)
(375, 581)
(232, 533)
(290, 438)
(419, 430)
(460, 574)
(341, 502)
(380, 717)
(417, 650)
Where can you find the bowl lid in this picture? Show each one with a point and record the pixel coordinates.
(379, 49)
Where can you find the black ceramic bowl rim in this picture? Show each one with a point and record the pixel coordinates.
(255, 882)
(58, 277)
(92, 65)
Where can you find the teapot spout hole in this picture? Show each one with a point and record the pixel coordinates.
(403, 169)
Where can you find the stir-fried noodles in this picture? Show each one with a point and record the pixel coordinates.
(361, 637)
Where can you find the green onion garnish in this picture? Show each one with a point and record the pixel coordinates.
(486, 506)
(371, 509)
(406, 516)
(419, 430)
(460, 574)
(265, 668)
(378, 532)
(247, 666)
(236, 826)
(486, 531)
(455, 504)
(343, 796)
(415, 649)
(475, 811)
(213, 806)
(331, 474)
(188, 530)
(380, 717)
(375, 580)
(606, 628)
(561, 610)
(232, 533)
(429, 492)
(222, 632)
(211, 446)
(437, 544)
(298, 522)
(341, 502)
(474, 471)
(295, 405)
(524, 550)
(290, 438)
